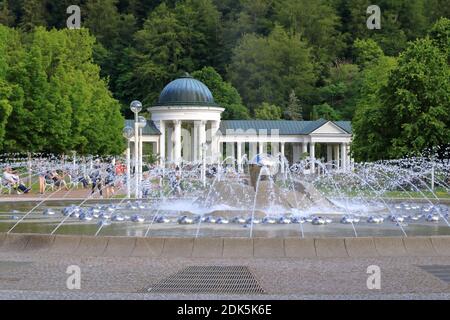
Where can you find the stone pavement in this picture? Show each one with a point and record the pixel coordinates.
(24, 275)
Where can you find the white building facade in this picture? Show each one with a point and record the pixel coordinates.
(186, 126)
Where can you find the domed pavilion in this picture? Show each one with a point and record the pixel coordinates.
(186, 126)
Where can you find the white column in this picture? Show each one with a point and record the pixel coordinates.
(295, 152)
(329, 155)
(186, 150)
(162, 142)
(312, 155)
(230, 155)
(170, 144)
(282, 156)
(141, 153)
(177, 138)
(239, 156)
(215, 141)
(128, 170)
(337, 161)
(195, 141)
(343, 157)
(274, 148)
(348, 156)
(252, 150)
(136, 157)
(262, 137)
(304, 147)
(201, 138)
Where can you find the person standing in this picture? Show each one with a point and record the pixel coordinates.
(96, 178)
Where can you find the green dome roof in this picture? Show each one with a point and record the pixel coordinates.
(186, 91)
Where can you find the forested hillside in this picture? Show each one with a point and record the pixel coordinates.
(291, 59)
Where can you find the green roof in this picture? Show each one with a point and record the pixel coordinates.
(186, 91)
(344, 125)
(149, 130)
(284, 127)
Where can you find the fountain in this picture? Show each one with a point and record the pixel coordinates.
(261, 197)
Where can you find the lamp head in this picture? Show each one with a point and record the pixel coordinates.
(128, 132)
(142, 122)
(136, 106)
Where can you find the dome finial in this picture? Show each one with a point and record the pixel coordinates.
(186, 75)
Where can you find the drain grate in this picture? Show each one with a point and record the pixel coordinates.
(210, 279)
(441, 272)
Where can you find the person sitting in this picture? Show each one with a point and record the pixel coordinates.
(12, 178)
(84, 181)
(59, 180)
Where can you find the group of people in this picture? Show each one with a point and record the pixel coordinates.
(102, 178)
(11, 179)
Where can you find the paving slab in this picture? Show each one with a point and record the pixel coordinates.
(39, 243)
(419, 246)
(92, 246)
(178, 247)
(2, 238)
(361, 247)
(441, 245)
(148, 247)
(299, 248)
(120, 246)
(268, 248)
(208, 248)
(238, 248)
(330, 247)
(14, 242)
(65, 244)
(390, 246)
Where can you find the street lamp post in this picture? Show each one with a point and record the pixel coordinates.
(128, 133)
(136, 107)
(142, 122)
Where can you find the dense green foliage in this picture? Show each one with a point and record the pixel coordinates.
(224, 94)
(404, 106)
(291, 59)
(51, 96)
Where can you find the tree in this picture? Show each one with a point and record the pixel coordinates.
(317, 22)
(6, 16)
(410, 111)
(5, 107)
(440, 35)
(340, 90)
(33, 14)
(294, 108)
(417, 100)
(102, 19)
(324, 111)
(59, 102)
(369, 142)
(5, 87)
(265, 69)
(172, 40)
(366, 52)
(224, 94)
(268, 112)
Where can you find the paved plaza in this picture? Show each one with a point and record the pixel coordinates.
(43, 276)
